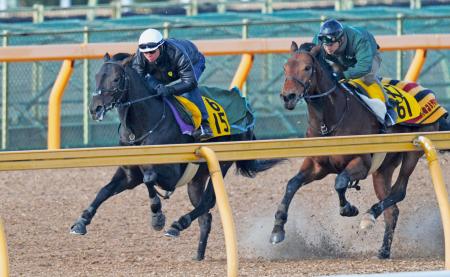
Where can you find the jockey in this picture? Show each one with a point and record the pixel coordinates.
(356, 53)
(173, 67)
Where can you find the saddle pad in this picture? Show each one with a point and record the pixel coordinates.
(189, 116)
(407, 107)
(229, 112)
(430, 110)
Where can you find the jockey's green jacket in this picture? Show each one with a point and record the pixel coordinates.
(356, 54)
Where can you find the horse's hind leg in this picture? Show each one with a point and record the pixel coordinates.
(303, 177)
(207, 201)
(195, 190)
(389, 199)
(118, 183)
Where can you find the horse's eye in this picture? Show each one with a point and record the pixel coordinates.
(116, 80)
(308, 68)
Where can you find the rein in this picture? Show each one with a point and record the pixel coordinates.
(118, 104)
(324, 130)
(132, 137)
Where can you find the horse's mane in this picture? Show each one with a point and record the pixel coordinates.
(124, 58)
(316, 52)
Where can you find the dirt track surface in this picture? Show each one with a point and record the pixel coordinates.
(38, 207)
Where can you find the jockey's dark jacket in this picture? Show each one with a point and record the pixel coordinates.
(174, 63)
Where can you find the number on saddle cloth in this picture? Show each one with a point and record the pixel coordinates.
(417, 105)
(229, 112)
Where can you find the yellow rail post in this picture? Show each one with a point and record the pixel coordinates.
(242, 72)
(4, 264)
(416, 65)
(224, 209)
(54, 105)
(440, 190)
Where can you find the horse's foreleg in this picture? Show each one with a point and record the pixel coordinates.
(355, 170)
(341, 183)
(158, 219)
(118, 184)
(304, 176)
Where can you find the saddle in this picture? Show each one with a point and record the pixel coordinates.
(229, 112)
(415, 105)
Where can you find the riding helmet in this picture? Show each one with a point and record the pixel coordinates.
(331, 31)
(150, 40)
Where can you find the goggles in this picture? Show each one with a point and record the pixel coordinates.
(328, 40)
(150, 47)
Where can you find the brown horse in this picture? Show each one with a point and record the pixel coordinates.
(334, 111)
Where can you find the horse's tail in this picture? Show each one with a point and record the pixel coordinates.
(444, 124)
(249, 168)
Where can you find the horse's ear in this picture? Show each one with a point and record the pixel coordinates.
(315, 50)
(106, 57)
(294, 47)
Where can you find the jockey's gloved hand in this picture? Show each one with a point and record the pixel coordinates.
(162, 90)
(339, 76)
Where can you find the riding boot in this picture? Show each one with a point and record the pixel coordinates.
(204, 132)
(391, 114)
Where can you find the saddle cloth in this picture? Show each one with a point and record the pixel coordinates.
(416, 105)
(229, 112)
(429, 109)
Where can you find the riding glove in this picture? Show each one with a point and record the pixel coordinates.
(162, 90)
(339, 76)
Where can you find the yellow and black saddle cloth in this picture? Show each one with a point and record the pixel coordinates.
(229, 112)
(416, 105)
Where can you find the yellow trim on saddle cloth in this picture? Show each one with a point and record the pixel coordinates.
(431, 110)
(373, 91)
(407, 106)
(218, 120)
(194, 111)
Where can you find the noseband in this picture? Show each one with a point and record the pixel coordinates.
(307, 85)
(324, 129)
(117, 92)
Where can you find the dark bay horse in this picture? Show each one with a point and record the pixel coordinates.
(334, 111)
(146, 119)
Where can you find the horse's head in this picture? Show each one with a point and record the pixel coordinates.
(111, 85)
(300, 74)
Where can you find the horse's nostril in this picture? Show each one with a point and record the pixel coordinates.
(291, 96)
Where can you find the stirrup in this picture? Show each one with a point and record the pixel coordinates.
(203, 133)
(390, 118)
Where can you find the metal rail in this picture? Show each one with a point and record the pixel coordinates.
(225, 151)
(214, 152)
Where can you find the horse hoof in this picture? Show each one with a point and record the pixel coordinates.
(277, 237)
(384, 254)
(172, 233)
(348, 210)
(158, 221)
(199, 257)
(78, 229)
(367, 221)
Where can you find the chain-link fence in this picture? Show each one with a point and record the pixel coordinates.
(26, 86)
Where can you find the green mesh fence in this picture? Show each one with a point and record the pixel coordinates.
(29, 84)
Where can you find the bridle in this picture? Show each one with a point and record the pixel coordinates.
(117, 92)
(324, 130)
(122, 89)
(307, 85)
